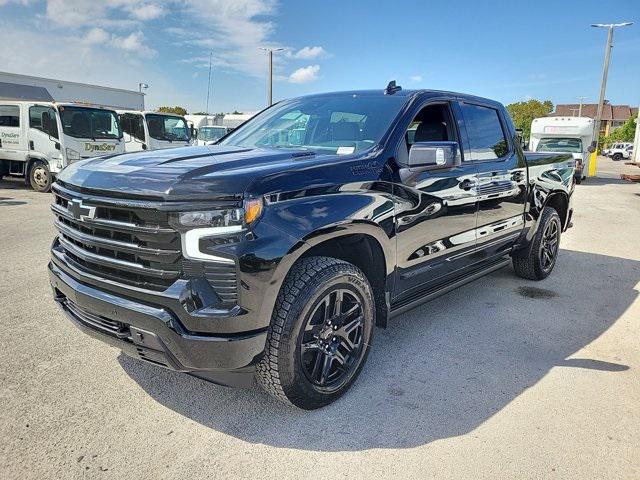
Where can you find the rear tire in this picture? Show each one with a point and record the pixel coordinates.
(544, 251)
(40, 177)
(321, 329)
(617, 157)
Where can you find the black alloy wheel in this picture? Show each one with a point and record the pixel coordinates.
(320, 334)
(332, 343)
(549, 244)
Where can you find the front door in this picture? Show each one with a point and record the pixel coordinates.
(502, 178)
(436, 209)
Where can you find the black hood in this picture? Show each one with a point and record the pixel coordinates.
(205, 172)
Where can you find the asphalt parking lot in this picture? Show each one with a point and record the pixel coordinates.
(503, 378)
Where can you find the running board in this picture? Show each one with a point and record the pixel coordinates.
(423, 297)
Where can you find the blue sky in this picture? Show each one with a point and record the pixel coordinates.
(505, 50)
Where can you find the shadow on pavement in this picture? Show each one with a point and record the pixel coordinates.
(600, 181)
(13, 183)
(438, 371)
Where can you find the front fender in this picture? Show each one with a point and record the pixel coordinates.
(289, 229)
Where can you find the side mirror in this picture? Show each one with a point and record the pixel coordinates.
(194, 132)
(591, 148)
(433, 155)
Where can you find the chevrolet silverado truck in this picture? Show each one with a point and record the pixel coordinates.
(275, 253)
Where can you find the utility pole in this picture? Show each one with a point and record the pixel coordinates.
(209, 81)
(270, 79)
(581, 102)
(603, 86)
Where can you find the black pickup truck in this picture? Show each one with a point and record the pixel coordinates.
(274, 253)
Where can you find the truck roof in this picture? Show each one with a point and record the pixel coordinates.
(410, 93)
(151, 112)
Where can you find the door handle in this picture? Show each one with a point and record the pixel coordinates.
(468, 184)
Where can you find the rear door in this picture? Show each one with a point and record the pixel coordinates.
(502, 177)
(13, 132)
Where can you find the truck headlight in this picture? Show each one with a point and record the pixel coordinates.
(72, 155)
(198, 226)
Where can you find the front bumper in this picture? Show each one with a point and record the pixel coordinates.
(153, 333)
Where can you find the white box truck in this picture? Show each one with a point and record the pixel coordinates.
(38, 139)
(565, 134)
(144, 130)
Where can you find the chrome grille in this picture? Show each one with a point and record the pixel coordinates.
(130, 243)
(133, 246)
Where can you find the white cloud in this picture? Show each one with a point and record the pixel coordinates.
(415, 78)
(147, 11)
(305, 74)
(308, 53)
(234, 30)
(96, 36)
(134, 42)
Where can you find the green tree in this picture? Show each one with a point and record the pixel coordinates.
(624, 133)
(176, 110)
(523, 113)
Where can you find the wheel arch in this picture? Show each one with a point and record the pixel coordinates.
(362, 244)
(31, 159)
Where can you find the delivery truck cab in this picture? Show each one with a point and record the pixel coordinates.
(39, 139)
(565, 134)
(153, 130)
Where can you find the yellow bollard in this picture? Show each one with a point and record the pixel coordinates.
(593, 164)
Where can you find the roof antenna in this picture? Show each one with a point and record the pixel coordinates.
(392, 88)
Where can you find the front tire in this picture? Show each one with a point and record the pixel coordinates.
(617, 157)
(40, 177)
(544, 251)
(321, 329)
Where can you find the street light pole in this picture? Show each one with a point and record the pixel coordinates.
(142, 85)
(580, 108)
(603, 84)
(270, 79)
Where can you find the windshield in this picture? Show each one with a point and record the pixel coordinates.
(326, 125)
(94, 123)
(570, 145)
(165, 127)
(211, 134)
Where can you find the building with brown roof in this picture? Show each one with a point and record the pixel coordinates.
(613, 116)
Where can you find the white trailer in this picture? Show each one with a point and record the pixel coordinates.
(565, 134)
(234, 120)
(38, 139)
(153, 130)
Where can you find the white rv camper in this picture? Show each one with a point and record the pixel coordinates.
(565, 134)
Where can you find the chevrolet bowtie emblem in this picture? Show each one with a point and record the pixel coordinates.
(80, 211)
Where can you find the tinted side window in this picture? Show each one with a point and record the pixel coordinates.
(9, 116)
(132, 124)
(484, 129)
(35, 119)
